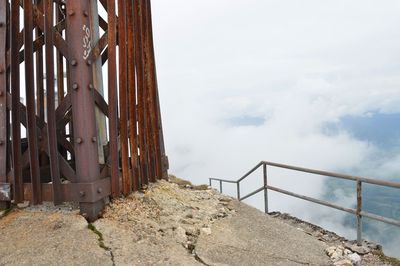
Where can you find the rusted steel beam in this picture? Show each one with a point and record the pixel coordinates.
(59, 42)
(133, 138)
(60, 59)
(83, 108)
(73, 192)
(113, 98)
(15, 109)
(3, 96)
(50, 99)
(158, 132)
(39, 69)
(65, 136)
(140, 92)
(151, 87)
(123, 97)
(96, 64)
(8, 102)
(30, 102)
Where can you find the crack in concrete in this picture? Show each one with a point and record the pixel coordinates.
(92, 228)
(197, 258)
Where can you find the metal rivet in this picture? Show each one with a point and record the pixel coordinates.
(89, 62)
(1, 94)
(74, 62)
(82, 193)
(91, 87)
(79, 140)
(71, 13)
(99, 190)
(1, 143)
(75, 86)
(94, 139)
(85, 13)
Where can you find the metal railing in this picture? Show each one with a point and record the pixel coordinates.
(358, 212)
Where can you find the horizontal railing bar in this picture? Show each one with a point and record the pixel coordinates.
(252, 193)
(380, 218)
(317, 201)
(332, 174)
(321, 202)
(224, 180)
(251, 171)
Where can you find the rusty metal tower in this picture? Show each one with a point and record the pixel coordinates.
(90, 127)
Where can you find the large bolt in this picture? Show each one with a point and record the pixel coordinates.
(75, 86)
(74, 62)
(99, 190)
(71, 12)
(82, 193)
(85, 13)
(94, 139)
(89, 62)
(1, 143)
(1, 94)
(91, 87)
(79, 140)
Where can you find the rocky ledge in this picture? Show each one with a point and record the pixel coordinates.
(173, 223)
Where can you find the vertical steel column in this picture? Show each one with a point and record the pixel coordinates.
(15, 105)
(153, 91)
(220, 186)
(123, 96)
(60, 62)
(359, 216)
(40, 102)
(140, 91)
(147, 96)
(83, 106)
(60, 75)
(265, 187)
(39, 70)
(132, 96)
(113, 97)
(97, 80)
(150, 112)
(30, 103)
(51, 116)
(3, 96)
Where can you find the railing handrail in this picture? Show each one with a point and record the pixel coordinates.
(358, 211)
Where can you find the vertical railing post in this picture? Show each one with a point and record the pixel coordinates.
(265, 187)
(359, 216)
(238, 190)
(210, 181)
(220, 186)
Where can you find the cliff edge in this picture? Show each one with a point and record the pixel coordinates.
(172, 223)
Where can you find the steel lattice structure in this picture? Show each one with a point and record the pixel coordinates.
(92, 132)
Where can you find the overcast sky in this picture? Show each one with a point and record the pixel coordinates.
(244, 81)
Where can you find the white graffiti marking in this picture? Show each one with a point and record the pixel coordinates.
(87, 46)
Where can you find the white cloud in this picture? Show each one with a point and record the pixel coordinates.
(297, 64)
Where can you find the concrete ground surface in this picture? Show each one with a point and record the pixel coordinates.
(263, 240)
(171, 223)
